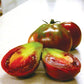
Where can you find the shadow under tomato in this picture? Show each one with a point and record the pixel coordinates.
(50, 80)
(37, 78)
(26, 77)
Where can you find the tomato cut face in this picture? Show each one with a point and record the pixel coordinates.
(22, 60)
(52, 36)
(60, 65)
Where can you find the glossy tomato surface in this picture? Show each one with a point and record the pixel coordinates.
(74, 31)
(52, 36)
(60, 65)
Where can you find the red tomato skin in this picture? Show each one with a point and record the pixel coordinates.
(74, 31)
(52, 36)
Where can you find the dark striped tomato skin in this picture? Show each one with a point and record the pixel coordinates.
(74, 31)
(52, 36)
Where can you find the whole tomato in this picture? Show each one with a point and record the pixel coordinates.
(74, 31)
(52, 35)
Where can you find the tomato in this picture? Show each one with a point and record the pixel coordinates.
(60, 65)
(23, 60)
(52, 35)
(74, 31)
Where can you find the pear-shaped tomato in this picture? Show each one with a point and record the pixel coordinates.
(52, 35)
(22, 60)
(60, 65)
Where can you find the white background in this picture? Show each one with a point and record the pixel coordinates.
(17, 25)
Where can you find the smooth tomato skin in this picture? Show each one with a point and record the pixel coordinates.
(52, 36)
(74, 31)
